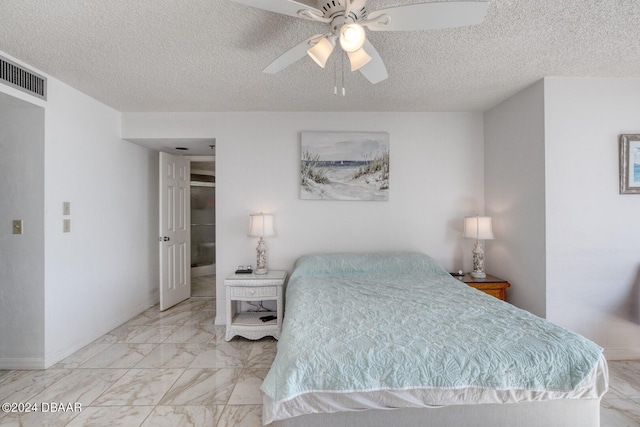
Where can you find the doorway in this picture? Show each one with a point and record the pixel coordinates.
(196, 150)
(203, 230)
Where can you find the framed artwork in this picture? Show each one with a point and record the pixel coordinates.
(630, 164)
(344, 166)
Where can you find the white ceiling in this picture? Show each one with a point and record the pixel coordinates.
(207, 55)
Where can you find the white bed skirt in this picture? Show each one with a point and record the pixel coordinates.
(486, 407)
(553, 413)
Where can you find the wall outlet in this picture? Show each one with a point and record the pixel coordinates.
(66, 208)
(66, 226)
(17, 226)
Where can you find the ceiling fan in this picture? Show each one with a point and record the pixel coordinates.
(347, 20)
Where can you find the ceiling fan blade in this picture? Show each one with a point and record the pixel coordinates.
(357, 4)
(428, 16)
(375, 70)
(292, 55)
(351, 5)
(285, 7)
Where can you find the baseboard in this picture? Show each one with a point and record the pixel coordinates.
(622, 353)
(58, 355)
(26, 363)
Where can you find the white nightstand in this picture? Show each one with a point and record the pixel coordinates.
(254, 287)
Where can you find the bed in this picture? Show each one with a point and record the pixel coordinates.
(391, 339)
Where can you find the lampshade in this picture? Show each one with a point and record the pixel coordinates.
(358, 59)
(321, 51)
(261, 225)
(352, 37)
(478, 227)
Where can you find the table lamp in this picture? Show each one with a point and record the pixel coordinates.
(479, 228)
(261, 225)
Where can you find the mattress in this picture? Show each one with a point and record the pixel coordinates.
(395, 330)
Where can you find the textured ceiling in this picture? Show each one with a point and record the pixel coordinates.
(207, 55)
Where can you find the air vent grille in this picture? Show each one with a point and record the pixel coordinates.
(22, 79)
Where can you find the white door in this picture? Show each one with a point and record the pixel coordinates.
(175, 233)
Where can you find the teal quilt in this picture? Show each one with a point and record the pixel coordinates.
(398, 321)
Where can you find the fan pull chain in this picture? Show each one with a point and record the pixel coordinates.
(342, 79)
(335, 76)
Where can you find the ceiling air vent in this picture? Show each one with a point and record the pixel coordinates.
(22, 79)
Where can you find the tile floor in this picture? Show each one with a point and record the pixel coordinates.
(203, 286)
(174, 368)
(168, 368)
(621, 405)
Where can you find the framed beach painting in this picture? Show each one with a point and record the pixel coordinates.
(344, 166)
(630, 164)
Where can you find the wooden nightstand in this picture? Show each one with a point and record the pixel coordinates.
(254, 287)
(490, 285)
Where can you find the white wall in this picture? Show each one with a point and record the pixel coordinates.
(21, 256)
(551, 161)
(593, 261)
(436, 179)
(515, 196)
(106, 270)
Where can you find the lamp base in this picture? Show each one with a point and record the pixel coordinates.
(478, 262)
(261, 258)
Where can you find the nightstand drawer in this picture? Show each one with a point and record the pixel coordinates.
(259, 291)
(498, 293)
(489, 285)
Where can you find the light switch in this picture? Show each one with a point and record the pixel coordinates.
(17, 226)
(66, 208)
(66, 226)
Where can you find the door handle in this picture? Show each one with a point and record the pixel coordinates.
(166, 239)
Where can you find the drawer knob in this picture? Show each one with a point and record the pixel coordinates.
(252, 291)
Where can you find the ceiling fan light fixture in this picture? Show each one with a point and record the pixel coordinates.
(352, 37)
(346, 19)
(321, 51)
(358, 59)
